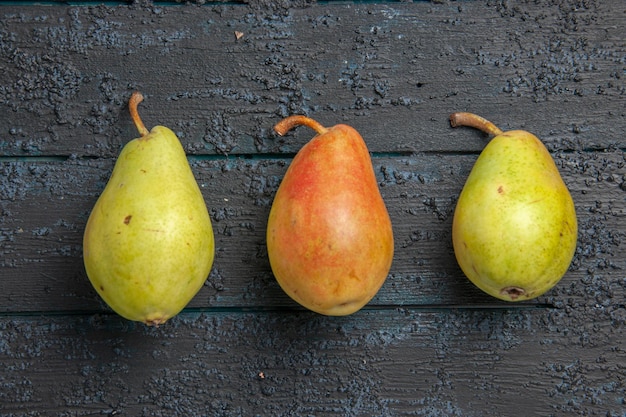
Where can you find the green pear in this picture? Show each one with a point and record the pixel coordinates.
(148, 245)
(329, 235)
(514, 229)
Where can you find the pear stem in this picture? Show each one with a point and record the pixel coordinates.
(475, 121)
(294, 121)
(133, 102)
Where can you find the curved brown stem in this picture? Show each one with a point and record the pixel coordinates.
(133, 102)
(475, 121)
(294, 121)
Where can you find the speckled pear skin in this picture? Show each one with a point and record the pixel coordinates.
(329, 235)
(515, 229)
(148, 245)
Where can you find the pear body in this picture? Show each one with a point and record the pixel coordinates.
(329, 235)
(514, 229)
(148, 245)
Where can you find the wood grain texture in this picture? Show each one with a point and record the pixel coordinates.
(47, 205)
(68, 72)
(429, 344)
(381, 363)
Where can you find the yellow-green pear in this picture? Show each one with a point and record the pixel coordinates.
(514, 229)
(148, 245)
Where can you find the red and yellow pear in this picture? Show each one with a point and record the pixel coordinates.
(329, 235)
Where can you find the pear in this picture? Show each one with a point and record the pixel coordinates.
(329, 235)
(148, 245)
(514, 229)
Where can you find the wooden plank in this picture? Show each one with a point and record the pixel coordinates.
(392, 363)
(45, 207)
(393, 71)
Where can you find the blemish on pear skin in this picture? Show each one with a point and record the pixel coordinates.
(127, 219)
(500, 190)
(513, 292)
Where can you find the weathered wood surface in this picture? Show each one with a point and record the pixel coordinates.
(43, 269)
(429, 344)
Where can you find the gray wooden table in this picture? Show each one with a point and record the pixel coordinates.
(430, 343)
